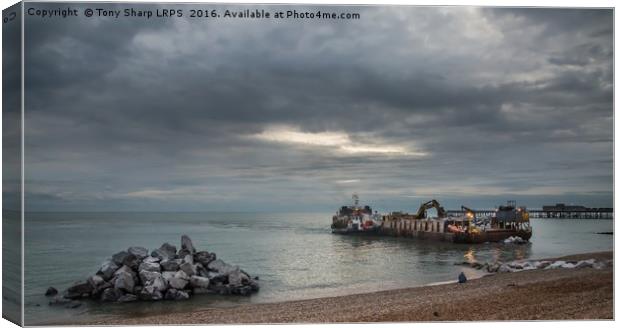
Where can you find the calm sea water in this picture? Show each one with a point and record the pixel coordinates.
(294, 255)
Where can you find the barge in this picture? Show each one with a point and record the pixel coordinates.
(507, 221)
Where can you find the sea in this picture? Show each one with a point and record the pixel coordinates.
(294, 255)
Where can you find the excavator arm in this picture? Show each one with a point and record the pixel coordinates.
(441, 212)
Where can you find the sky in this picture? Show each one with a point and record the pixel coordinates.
(469, 106)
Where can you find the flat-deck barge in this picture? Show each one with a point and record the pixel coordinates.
(507, 221)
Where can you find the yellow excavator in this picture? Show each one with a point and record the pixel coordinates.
(441, 213)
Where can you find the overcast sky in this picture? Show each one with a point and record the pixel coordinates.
(466, 105)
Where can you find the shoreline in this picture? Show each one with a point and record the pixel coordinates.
(558, 294)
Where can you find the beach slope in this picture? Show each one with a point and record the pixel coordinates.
(557, 294)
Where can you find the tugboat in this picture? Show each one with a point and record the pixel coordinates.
(356, 219)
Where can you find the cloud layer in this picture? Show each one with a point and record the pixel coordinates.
(466, 105)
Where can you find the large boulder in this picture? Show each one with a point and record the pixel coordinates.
(119, 257)
(199, 282)
(80, 289)
(183, 253)
(139, 252)
(107, 269)
(132, 261)
(188, 259)
(200, 270)
(51, 291)
(151, 259)
(166, 251)
(176, 295)
(147, 276)
(188, 268)
(125, 269)
(181, 275)
(221, 267)
(95, 281)
(186, 243)
(111, 295)
(149, 266)
(157, 283)
(150, 293)
(177, 283)
(167, 275)
(204, 258)
(237, 278)
(170, 264)
(124, 281)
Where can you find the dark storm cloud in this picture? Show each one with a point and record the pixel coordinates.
(464, 104)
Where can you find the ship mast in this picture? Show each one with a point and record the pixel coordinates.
(356, 200)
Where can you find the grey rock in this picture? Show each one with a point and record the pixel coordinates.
(160, 254)
(151, 259)
(188, 268)
(494, 267)
(585, 264)
(170, 265)
(149, 266)
(254, 285)
(78, 290)
(166, 251)
(150, 293)
(176, 295)
(119, 257)
(146, 276)
(186, 243)
(181, 275)
(111, 295)
(188, 259)
(139, 252)
(51, 291)
(107, 269)
(183, 253)
(199, 282)
(157, 283)
(177, 283)
(237, 278)
(127, 298)
(167, 275)
(132, 262)
(204, 258)
(125, 269)
(124, 281)
(95, 281)
(200, 270)
(221, 267)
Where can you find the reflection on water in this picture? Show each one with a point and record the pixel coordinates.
(295, 255)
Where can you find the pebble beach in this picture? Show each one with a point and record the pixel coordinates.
(558, 294)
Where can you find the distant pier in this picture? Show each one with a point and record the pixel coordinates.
(555, 211)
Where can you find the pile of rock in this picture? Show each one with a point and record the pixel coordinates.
(135, 274)
(523, 265)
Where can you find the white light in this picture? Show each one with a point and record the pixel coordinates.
(338, 141)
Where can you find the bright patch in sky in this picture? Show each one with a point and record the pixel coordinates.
(336, 141)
